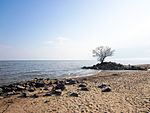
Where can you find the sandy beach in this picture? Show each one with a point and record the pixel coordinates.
(130, 93)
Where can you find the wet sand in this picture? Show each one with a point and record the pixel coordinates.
(130, 93)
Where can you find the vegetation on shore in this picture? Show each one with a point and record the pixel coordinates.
(103, 52)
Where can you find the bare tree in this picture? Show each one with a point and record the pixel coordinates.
(102, 52)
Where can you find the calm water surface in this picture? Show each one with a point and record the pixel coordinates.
(13, 71)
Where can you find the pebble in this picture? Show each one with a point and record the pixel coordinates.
(23, 95)
(73, 94)
(30, 89)
(82, 85)
(70, 82)
(46, 101)
(34, 96)
(47, 94)
(84, 89)
(56, 92)
(106, 89)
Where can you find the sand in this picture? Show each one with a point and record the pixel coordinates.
(130, 93)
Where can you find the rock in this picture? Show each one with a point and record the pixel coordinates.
(70, 82)
(19, 88)
(112, 66)
(57, 92)
(84, 89)
(102, 86)
(82, 85)
(59, 86)
(46, 101)
(38, 84)
(4, 95)
(1, 91)
(11, 93)
(73, 94)
(30, 83)
(45, 88)
(34, 96)
(7, 89)
(23, 95)
(1, 97)
(30, 89)
(54, 92)
(47, 94)
(55, 81)
(106, 89)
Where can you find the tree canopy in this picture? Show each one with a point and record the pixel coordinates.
(102, 52)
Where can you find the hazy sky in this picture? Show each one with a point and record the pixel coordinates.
(71, 29)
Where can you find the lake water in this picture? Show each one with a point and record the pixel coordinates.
(13, 71)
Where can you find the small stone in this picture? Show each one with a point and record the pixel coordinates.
(56, 92)
(73, 94)
(70, 82)
(11, 93)
(84, 89)
(46, 101)
(34, 96)
(106, 89)
(7, 89)
(1, 97)
(102, 86)
(19, 88)
(82, 85)
(47, 94)
(39, 84)
(59, 86)
(30, 89)
(23, 95)
(45, 88)
(55, 81)
(1, 91)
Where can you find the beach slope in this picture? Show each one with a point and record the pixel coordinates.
(129, 93)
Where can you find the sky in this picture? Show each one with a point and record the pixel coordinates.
(71, 29)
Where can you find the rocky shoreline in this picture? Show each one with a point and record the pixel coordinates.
(113, 66)
(53, 87)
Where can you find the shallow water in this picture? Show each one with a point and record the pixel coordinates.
(13, 71)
